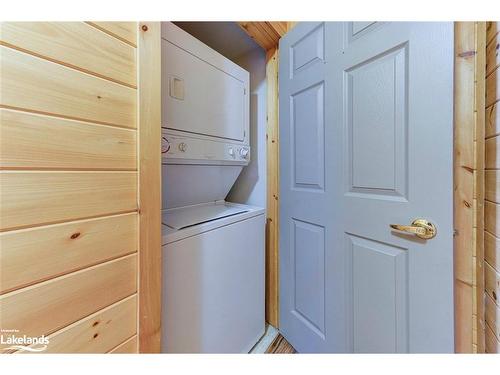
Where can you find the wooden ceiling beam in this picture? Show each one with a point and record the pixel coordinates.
(265, 34)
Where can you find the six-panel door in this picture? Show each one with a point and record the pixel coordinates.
(366, 141)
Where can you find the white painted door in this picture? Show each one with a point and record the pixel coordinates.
(366, 140)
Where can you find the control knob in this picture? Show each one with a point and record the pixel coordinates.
(182, 147)
(244, 153)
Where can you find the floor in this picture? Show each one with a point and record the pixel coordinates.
(265, 342)
(272, 343)
(280, 346)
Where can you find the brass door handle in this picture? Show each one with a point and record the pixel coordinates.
(420, 227)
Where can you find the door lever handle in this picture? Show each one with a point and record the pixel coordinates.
(420, 227)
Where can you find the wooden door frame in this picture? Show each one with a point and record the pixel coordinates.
(469, 127)
(469, 91)
(149, 185)
(267, 35)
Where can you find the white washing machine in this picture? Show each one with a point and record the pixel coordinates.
(213, 251)
(213, 276)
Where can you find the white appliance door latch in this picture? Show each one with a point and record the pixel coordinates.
(176, 88)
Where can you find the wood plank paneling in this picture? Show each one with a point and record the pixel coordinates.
(74, 44)
(265, 34)
(38, 141)
(281, 27)
(62, 91)
(492, 146)
(492, 218)
(492, 250)
(492, 315)
(493, 55)
(125, 31)
(33, 198)
(149, 128)
(258, 35)
(97, 333)
(35, 254)
(49, 306)
(492, 186)
(492, 282)
(492, 343)
(492, 121)
(127, 347)
(492, 28)
(69, 183)
(492, 89)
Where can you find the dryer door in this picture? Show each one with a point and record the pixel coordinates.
(201, 98)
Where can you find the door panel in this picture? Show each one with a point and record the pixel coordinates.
(366, 132)
(309, 275)
(355, 30)
(380, 287)
(358, 27)
(306, 186)
(308, 50)
(376, 110)
(307, 123)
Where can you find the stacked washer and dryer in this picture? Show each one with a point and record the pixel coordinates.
(213, 250)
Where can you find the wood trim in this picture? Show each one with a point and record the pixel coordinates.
(267, 35)
(272, 222)
(470, 53)
(463, 184)
(149, 163)
(479, 187)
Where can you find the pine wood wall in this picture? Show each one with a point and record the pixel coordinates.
(492, 192)
(69, 184)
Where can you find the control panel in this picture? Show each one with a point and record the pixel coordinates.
(176, 148)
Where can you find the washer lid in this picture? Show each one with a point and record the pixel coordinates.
(188, 185)
(184, 217)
